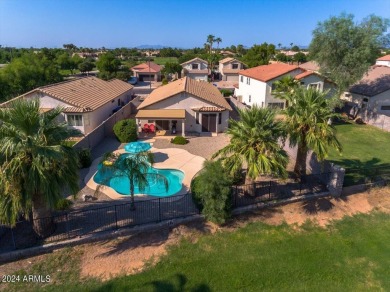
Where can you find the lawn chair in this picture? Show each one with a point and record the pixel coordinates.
(146, 128)
(152, 128)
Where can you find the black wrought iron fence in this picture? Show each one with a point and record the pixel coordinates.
(356, 176)
(112, 217)
(265, 191)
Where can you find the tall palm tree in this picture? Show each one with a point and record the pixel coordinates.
(218, 40)
(285, 85)
(35, 167)
(210, 41)
(308, 124)
(133, 167)
(254, 144)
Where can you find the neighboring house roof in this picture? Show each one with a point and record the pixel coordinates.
(384, 58)
(84, 94)
(305, 74)
(194, 60)
(148, 67)
(201, 89)
(230, 71)
(376, 81)
(162, 114)
(226, 60)
(208, 109)
(268, 72)
(311, 65)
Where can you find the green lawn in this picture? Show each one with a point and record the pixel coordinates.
(364, 146)
(351, 255)
(164, 60)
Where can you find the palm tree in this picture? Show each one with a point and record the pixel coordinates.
(218, 40)
(210, 41)
(35, 167)
(279, 45)
(254, 144)
(308, 124)
(285, 85)
(135, 168)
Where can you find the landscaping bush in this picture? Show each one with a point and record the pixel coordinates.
(179, 140)
(63, 204)
(164, 81)
(226, 92)
(211, 190)
(85, 158)
(126, 131)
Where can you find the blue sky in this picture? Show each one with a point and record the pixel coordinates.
(185, 23)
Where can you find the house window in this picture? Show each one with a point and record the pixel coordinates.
(248, 81)
(314, 86)
(273, 86)
(219, 118)
(250, 98)
(197, 117)
(242, 78)
(302, 83)
(276, 105)
(195, 66)
(119, 102)
(385, 107)
(75, 120)
(234, 66)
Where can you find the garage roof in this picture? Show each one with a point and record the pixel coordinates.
(161, 114)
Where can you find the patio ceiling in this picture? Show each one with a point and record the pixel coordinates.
(161, 114)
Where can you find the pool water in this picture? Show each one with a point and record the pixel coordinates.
(156, 186)
(136, 147)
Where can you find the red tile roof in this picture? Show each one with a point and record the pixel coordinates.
(148, 67)
(384, 58)
(304, 74)
(268, 72)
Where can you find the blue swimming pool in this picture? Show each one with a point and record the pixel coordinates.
(136, 147)
(156, 186)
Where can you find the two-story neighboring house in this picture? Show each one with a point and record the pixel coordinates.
(86, 102)
(148, 71)
(229, 68)
(196, 69)
(256, 84)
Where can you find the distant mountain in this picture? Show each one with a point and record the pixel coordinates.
(155, 47)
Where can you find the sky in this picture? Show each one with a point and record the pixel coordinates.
(175, 23)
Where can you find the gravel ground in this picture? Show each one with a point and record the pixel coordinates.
(200, 146)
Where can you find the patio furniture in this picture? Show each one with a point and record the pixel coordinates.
(146, 128)
(152, 128)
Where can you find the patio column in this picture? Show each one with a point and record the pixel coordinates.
(183, 128)
(216, 124)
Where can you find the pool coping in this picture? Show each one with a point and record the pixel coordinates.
(177, 158)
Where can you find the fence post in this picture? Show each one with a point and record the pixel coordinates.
(269, 190)
(159, 209)
(116, 218)
(67, 225)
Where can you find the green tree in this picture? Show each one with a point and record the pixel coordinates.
(86, 66)
(172, 68)
(345, 49)
(259, 55)
(307, 122)
(295, 48)
(254, 143)
(218, 40)
(108, 66)
(285, 85)
(212, 189)
(135, 168)
(281, 57)
(210, 41)
(299, 58)
(64, 61)
(35, 166)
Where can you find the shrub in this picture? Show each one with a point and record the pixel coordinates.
(164, 81)
(85, 158)
(63, 204)
(126, 131)
(212, 191)
(226, 92)
(180, 140)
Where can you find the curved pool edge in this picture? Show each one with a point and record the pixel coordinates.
(179, 159)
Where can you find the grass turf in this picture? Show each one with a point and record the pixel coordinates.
(164, 60)
(364, 147)
(350, 255)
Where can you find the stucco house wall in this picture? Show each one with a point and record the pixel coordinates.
(187, 102)
(383, 63)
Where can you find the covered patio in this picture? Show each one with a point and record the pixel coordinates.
(172, 120)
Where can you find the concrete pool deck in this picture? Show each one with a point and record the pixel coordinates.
(169, 158)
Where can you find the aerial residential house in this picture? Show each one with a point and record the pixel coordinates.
(384, 61)
(256, 84)
(86, 102)
(310, 66)
(372, 92)
(196, 69)
(229, 68)
(148, 71)
(186, 104)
